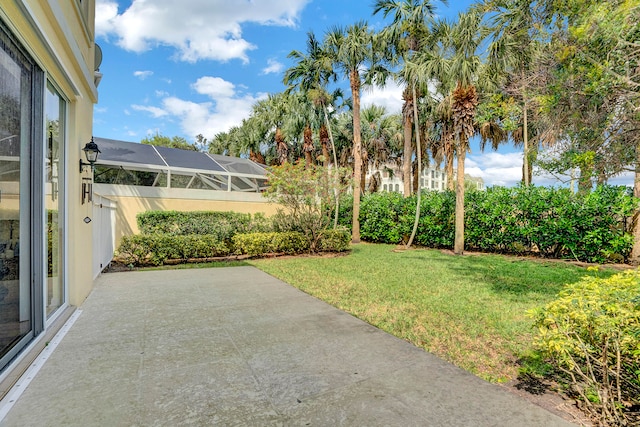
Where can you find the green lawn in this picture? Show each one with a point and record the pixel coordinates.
(469, 310)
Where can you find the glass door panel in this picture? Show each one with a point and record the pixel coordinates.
(15, 124)
(55, 120)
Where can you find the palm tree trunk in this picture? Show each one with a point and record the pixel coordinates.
(584, 180)
(449, 172)
(281, 147)
(415, 176)
(354, 78)
(335, 165)
(634, 258)
(419, 168)
(324, 138)
(406, 158)
(525, 132)
(256, 156)
(307, 146)
(458, 245)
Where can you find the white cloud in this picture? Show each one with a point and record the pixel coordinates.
(198, 29)
(106, 12)
(214, 87)
(226, 108)
(495, 168)
(143, 74)
(273, 67)
(155, 111)
(389, 97)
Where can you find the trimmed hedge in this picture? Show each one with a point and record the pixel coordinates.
(338, 240)
(552, 222)
(290, 242)
(223, 225)
(155, 249)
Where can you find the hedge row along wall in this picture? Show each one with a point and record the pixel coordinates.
(182, 236)
(551, 222)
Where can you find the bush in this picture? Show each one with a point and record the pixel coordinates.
(382, 218)
(345, 213)
(253, 244)
(223, 225)
(307, 194)
(156, 249)
(591, 333)
(436, 225)
(338, 240)
(551, 222)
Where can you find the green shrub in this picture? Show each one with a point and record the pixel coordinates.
(345, 213)
(155, 249)
(591, 333)
(253, 244)
(436, 225)
(552, 222)
(223, 225)
(382, 218)
(338, 240)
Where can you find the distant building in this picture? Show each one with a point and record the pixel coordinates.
(473, 182)
(432, 178)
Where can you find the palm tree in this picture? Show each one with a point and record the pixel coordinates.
(463, 40)
(411, 19)
(354, 49)
(272, 114)
(381, 138)
(443, 145)
(311, 74)
(512, 51)
(430, 65)
(240, 140)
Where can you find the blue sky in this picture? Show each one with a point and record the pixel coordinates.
(193, 67)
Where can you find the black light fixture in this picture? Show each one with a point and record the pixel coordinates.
(91, 152)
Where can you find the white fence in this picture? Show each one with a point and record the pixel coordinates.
(104, 236)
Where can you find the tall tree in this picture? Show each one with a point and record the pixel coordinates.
(513, 52)
(311, 74)
(598, 60)
(356, 53)
(411, 19)
(272, 114)
(464, 40)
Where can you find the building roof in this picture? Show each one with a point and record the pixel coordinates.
(150, 157)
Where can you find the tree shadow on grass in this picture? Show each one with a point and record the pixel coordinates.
(515, 277)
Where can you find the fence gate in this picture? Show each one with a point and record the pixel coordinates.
(104, 236)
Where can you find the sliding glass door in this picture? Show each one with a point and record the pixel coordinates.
(21, 87)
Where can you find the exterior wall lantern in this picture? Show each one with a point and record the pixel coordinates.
(91, 152)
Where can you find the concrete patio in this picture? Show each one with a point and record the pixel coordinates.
(234, 346)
